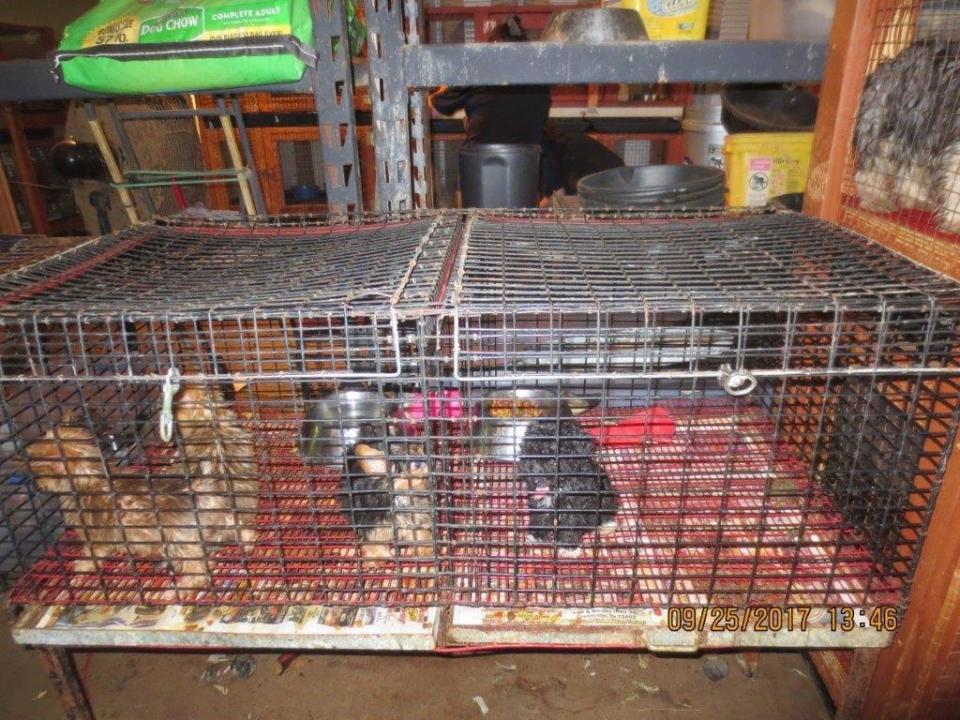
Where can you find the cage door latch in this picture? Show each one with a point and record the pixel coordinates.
(736, 382)
(171, 386)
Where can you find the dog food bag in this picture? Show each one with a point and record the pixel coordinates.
(150, 46)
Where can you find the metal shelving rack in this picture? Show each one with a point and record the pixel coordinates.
(401, 69)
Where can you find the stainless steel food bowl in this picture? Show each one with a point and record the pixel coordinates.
(334, 423)
(595, 25)
(502, 438)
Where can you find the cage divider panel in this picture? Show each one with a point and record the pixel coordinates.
(812, 487)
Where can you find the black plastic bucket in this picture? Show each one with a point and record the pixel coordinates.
(498, 175)
(653, 186)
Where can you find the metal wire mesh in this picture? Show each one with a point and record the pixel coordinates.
(488, 408)
(773, 294)
(156, 269)
(766, 260)
(16, 252)
(263, 301)
(904, 171)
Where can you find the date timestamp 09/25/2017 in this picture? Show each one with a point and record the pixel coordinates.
(777, 619)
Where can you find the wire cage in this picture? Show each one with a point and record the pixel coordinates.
(29, 521)
(903, 176)
(162, 384)
(487, 409)
(762, 407)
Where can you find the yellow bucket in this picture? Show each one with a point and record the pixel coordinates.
(670, 19)
(761, 166)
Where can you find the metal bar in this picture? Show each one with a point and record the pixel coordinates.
(431, 65)
(322, 375)
(253, 175)
(66, 682)
(635, 628)
(638, 628)
(624, 62)
(469, 12)
(129, 152)
(390, 632)
(185, 174)
(390, 101)
(237, 177)
(420, 152)
(116, 175)
(333, 100)
(169, 114)
(26, 80)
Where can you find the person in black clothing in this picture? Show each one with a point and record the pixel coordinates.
(568, 155)
(517, 114)
(514, 114)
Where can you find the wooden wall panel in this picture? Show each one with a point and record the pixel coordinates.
(919, 675)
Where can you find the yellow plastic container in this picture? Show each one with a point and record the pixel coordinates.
(761, 166)
(670, 19)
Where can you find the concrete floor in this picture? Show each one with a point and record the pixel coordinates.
(544, 686)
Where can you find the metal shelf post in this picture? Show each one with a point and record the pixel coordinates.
(333, 99)
(390, 101)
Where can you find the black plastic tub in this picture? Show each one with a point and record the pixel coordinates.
(768, 108)
(653, 186)
(499, 175)
(790, 201)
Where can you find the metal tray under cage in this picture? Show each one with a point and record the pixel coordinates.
(559, 425)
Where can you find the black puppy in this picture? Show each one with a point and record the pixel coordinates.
(570, 494)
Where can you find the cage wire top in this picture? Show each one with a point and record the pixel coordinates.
(476, 261)
(17, 252)
(697, 262)
(193, 269)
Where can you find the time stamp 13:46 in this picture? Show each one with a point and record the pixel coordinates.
(777, 619)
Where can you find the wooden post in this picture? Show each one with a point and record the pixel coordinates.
(116, 175)
(853, 28)
(36, 207)
(917, 677)
(9, 222)
(854, 692)
(237, 161)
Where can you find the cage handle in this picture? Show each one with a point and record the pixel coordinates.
(171, 386)
(736, 382)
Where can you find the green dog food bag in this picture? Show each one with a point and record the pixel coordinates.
(151, 46)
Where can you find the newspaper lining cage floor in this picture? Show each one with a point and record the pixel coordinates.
(771, 398)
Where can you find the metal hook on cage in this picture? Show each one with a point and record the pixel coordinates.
(736, 382)
(171, 386)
